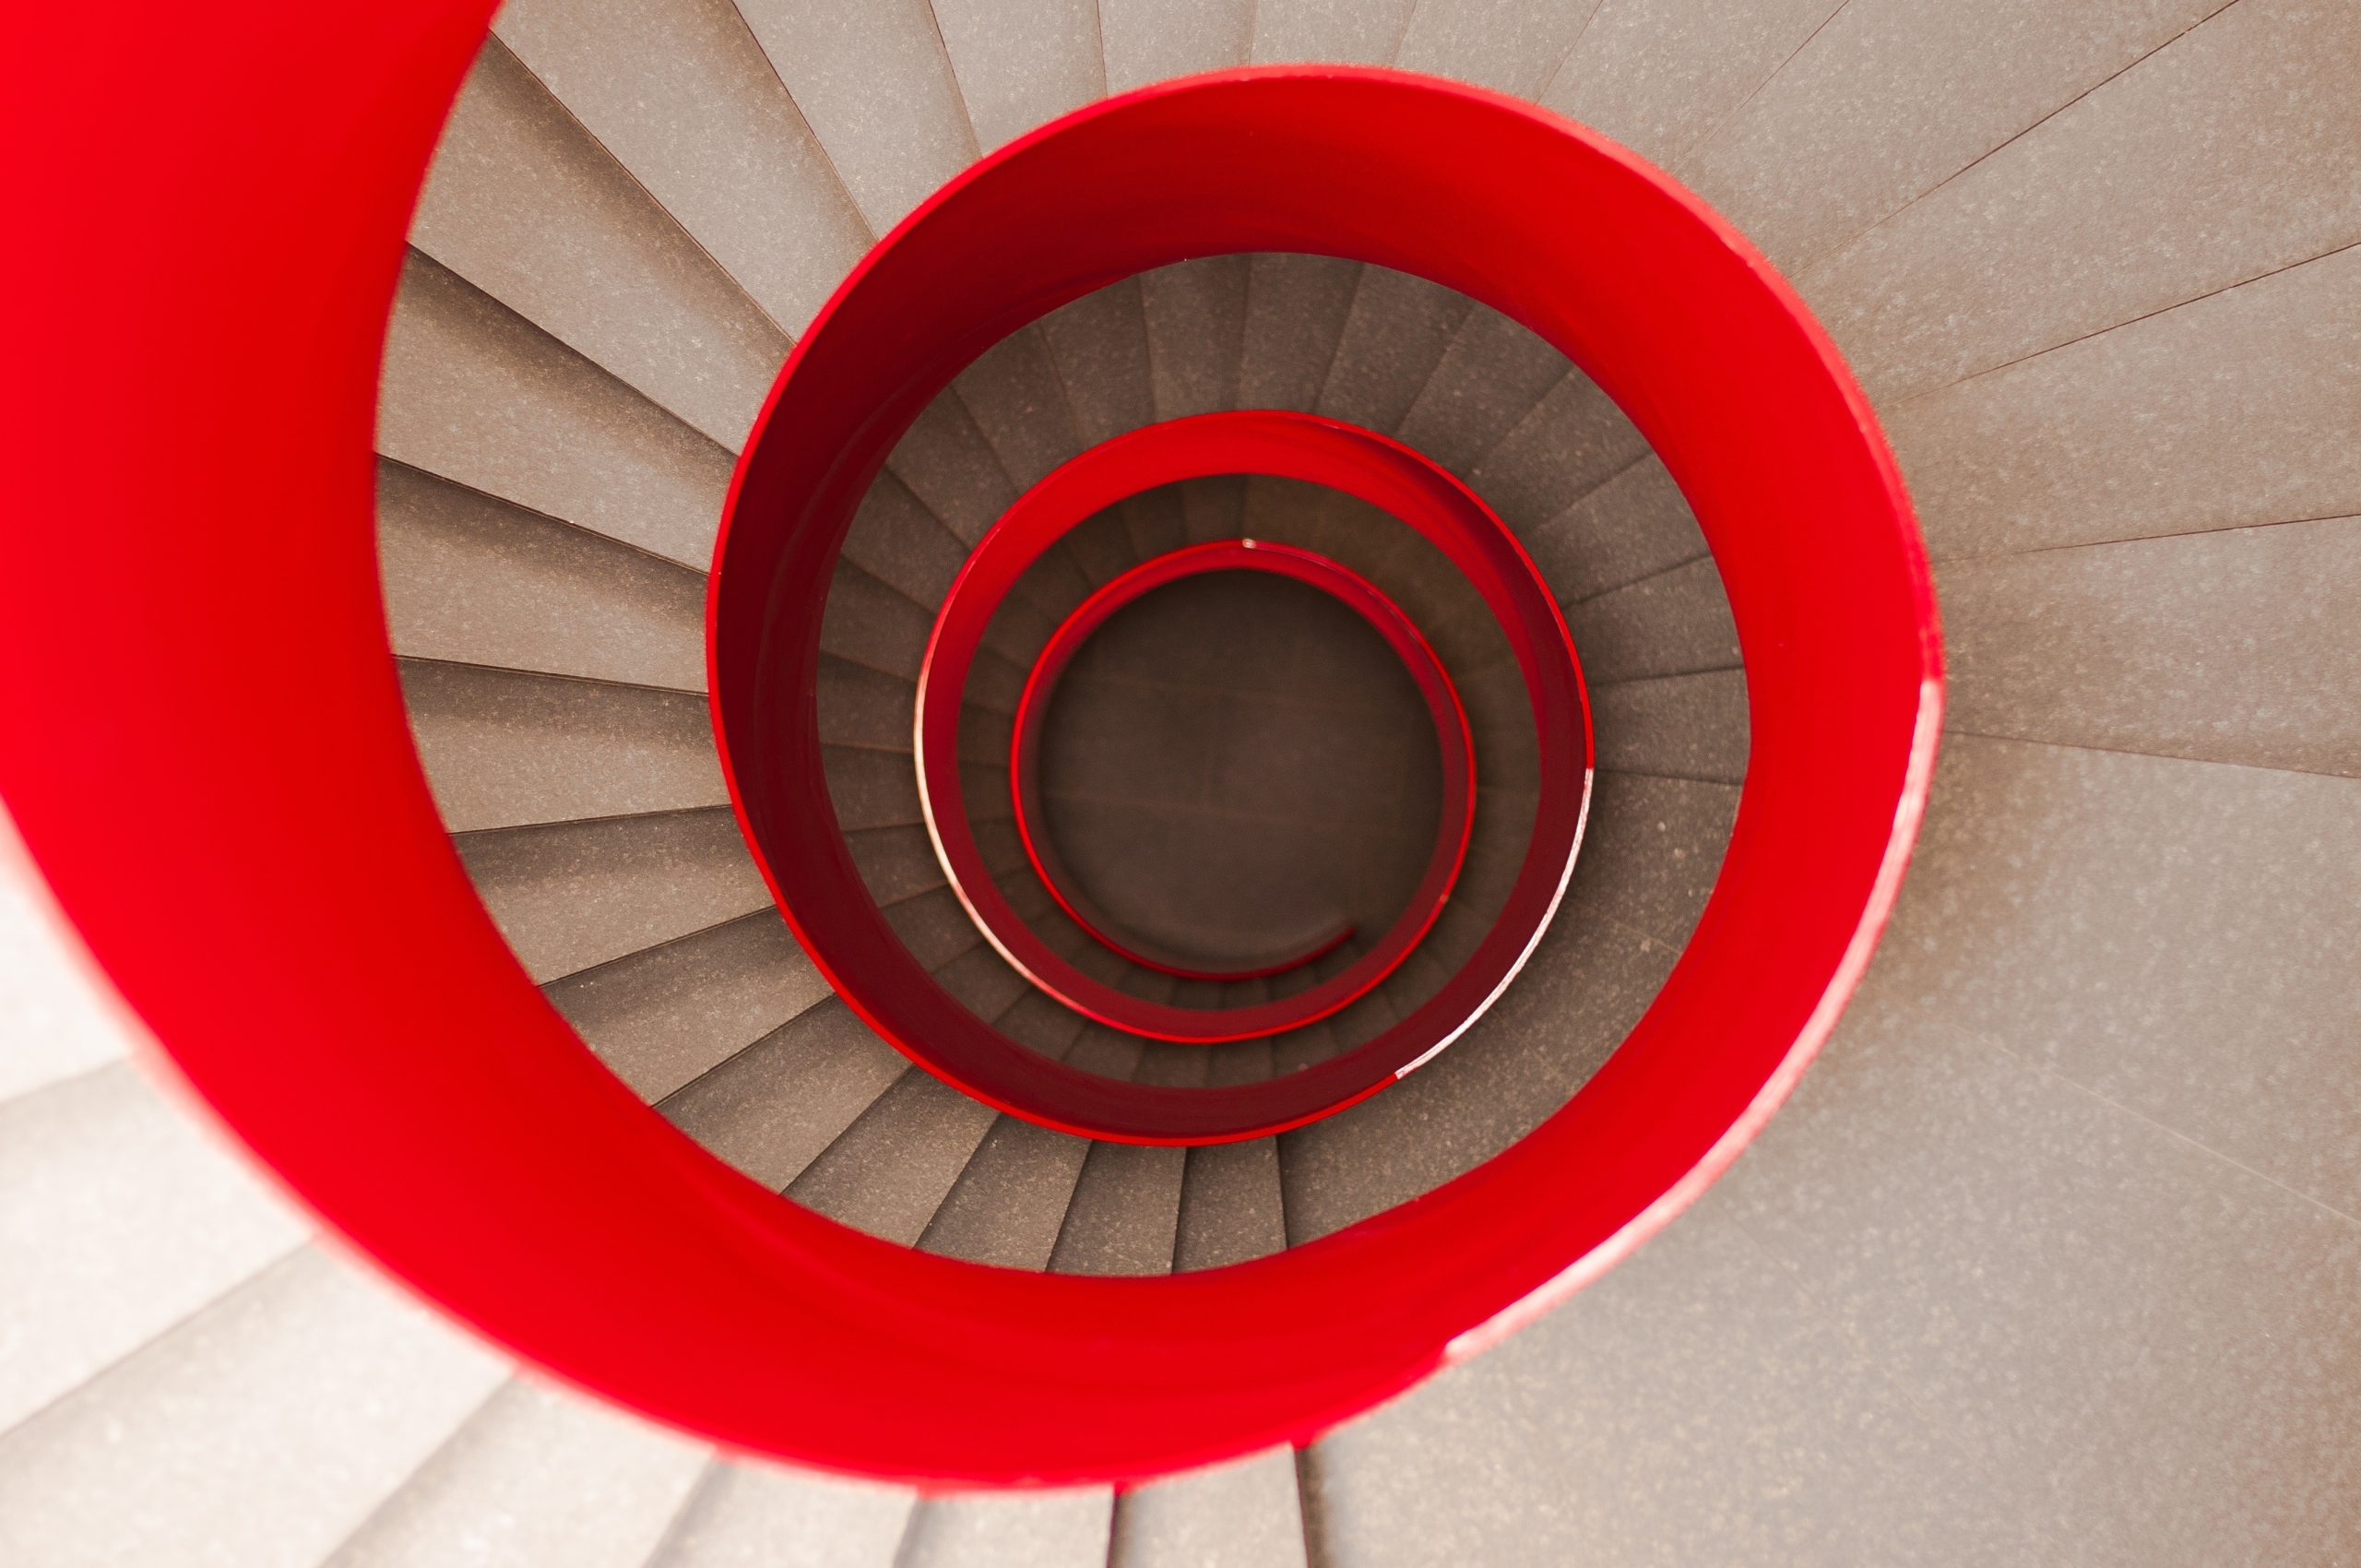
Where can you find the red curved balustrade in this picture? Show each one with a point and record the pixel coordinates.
(1454, 746)
(271, 915)
(1286, 446)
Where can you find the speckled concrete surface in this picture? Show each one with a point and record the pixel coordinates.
(1514, 46)
(1147, 40)
(751, 1515)
(238, 1424)
(2219, 158)
(1243, 1515)
(1361, 34)
(2233, 409)
(503, 749)
(534, 1474)
(527, 206)
(1660, 76)
(1883, 100)
(681, 93)
(890, 1170)
(570, 894)
(1041, 1529)
(2233, 645)
(1686, 725)
(874, 84)
(472, 579)
(477, 394)
(119, 1218)
(665, 1015)
(734, 1108)
(1021, 62)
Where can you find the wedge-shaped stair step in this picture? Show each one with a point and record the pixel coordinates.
(1320, 29)
(2232, 645)
(890, 1169)
(1046, 1025)
(2044, 242)
(2151, 928)
(1653, 848)
(503, 749)
(1488, 380)
(64, 1020)
(876, 86)
(771, 1108)
(1584, 987)
(897, 539)
(1675, 623)
(1099, 343)
(2236, 408)
(750, 1514)
(1393, 337)
(1101, 547)
(1021, 66)
(1632, 526)
(1196, 333)
(472, 579)
(1239, 1516)
(934, 927)
(1011, 392)
(1231, 1205)
(682, 94)
(1010, 1199)
(662, 1017)
(119, 1216)
(476, 393)
(870, 787)
(948, 466)
(235, 1440)
(1681, 726)
(1296, 307)
(1039, 1530)
(861, 706)
(895, 862)
(1148, 41)
(872, 623)
(1569, 444)
(1126, 1207)
(536, 1476)
(526, 205)
(571, 895)
(1511, 46)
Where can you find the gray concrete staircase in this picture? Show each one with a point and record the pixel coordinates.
(2053, 1258)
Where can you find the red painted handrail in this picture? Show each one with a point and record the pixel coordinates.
(189, 429)
(1293, 445)
(771, 755)
(1455, 747)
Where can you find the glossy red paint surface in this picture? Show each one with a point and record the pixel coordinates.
(1456, 748)
(188, 473)
(1286, 446)
(811, 872)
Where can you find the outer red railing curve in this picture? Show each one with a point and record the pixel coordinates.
(192, 422)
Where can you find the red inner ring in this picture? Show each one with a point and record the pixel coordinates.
(883, 981)
(1455, 747)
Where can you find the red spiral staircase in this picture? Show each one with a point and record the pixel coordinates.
(1306, 614)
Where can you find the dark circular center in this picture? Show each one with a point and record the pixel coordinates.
(1234, 764)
